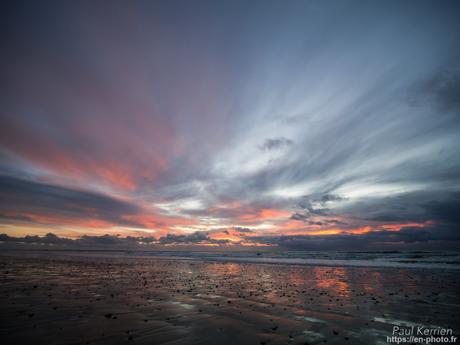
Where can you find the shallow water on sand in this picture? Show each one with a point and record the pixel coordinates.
(116, 300)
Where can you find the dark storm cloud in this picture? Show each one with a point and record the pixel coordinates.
(193, 238)
(110, 240)
(50, 196)
(84, 242)
(427, 238)
(307, 209)
(305, 217)
(243, 230)
(18, 195)
(438, 206)
(87, 241)
(444, 210)
(13, 218)
(300, 216)
(330, 197)
(442, 91)
(275, 143)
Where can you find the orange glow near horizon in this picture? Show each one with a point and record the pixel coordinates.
(264, 214)
(152, 223)
(397, 227)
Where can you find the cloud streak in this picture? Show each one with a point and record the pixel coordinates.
(153, 119)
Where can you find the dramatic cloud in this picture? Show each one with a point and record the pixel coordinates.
(438, 206)
(278, 143)
(27, 203)
(194, 238)
(442, 91)
(221, 123)
(50, 240)
(29, 196)
(405, 238)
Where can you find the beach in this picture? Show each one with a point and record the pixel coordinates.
(91, 299)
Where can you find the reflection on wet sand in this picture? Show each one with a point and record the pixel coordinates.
(90, 300)
(229, 269)
(376, 283)
(333, 280)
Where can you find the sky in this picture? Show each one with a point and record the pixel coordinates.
(293, 124)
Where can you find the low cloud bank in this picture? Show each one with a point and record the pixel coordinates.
(84, 242)
(407, 238)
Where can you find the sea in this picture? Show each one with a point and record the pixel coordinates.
(391, 259)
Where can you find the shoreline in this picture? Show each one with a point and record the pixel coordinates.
(112, 300)
(225, 258)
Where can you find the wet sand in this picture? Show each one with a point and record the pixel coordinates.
(103, 300)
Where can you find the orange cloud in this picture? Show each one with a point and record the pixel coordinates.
(152, 220)
(230, 234)
(359, 231)
(100, 165)
(264, 214)
(397, 227)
